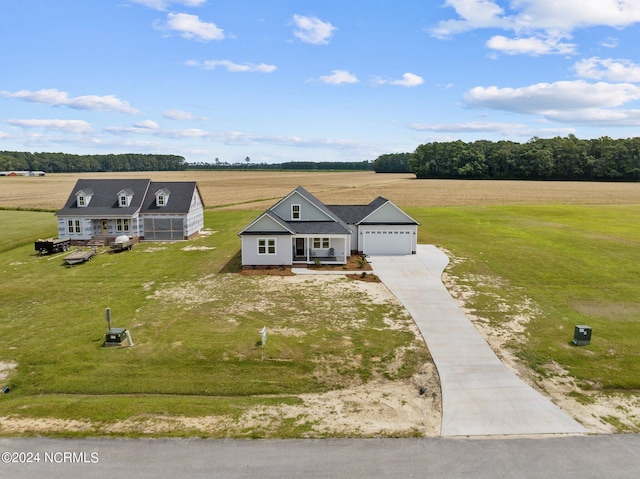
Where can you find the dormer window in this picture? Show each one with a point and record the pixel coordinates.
(83, 197)
(162, 197)
(125, 197)
(295, 212)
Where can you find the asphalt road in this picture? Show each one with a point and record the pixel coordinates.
(605, 456)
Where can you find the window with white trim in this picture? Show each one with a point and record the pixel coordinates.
(123, 200)
(266, 246)
(82, 201)
(122, 224)
(321, 243)
(295, 212)
(73, 226)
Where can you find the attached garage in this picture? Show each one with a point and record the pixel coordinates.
(387, 242)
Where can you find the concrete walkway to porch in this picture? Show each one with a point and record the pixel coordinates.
(480, 395)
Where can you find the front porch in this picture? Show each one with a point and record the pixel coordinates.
(326, 250)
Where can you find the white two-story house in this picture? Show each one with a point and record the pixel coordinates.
(139, 208)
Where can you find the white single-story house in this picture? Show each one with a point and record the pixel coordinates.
(139, 208)
(301, 229)
(22, 173)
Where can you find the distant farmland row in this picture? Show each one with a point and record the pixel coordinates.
(256, 190)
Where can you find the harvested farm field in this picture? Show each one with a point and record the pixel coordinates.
(257, 190)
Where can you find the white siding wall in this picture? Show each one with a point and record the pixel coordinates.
(195, 217)
(283, 256)
(86, 230)
(308, 211)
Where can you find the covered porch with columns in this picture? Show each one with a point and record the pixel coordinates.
(328, 249)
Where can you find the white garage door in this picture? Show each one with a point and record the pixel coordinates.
(384, 242)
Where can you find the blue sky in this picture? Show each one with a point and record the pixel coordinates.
(292, 80)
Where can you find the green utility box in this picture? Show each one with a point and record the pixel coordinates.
(582, 335)
(115, 337)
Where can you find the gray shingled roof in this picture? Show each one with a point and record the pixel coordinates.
(104, 202)
(343, 215)
(354, 214)
(338, 226)
(180, 195)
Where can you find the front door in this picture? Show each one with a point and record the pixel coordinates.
(300, 249)
(104, 224)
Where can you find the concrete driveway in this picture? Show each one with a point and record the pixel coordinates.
(480, 395)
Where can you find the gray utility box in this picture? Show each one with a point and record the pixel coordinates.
(115, 337)
(582, 335)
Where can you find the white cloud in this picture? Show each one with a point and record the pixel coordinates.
(473, 14)
(408, 80)
(242, 138)
(504, 129)
(600, 117)
(312, 30)
(234, 137)
(610, 42)
(338, 77)
(469, 127)
(530, 45)
(164, 4)
(147, 124)
(608, 69)
(568, 15)
(545, 97)
(538, 25)
(56, 97)
(180, 115)
(191, 27)
(567, 101)
(70, 126)
(231, 66)
(148, 129)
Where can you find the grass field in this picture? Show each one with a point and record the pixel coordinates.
(195, 324)
(570, 251)
(580, 265)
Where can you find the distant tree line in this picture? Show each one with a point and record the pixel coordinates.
(68, 163)
(569, 158)
(392, 163)
(290, 165)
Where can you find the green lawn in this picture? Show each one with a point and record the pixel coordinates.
(579, 264)
(195, 323)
